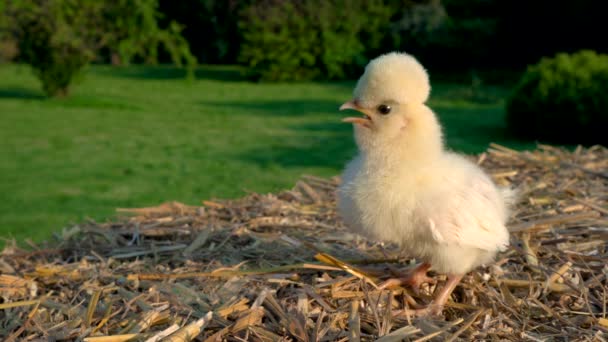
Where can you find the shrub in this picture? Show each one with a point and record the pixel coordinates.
(46, 36)
(310, 39)
(58, 38)
(562, 99)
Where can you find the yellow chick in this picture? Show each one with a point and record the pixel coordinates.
(404, 187)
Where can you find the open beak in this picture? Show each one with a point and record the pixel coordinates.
(365, 121)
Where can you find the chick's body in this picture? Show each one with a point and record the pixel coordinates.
(445, 212)
(404, 187)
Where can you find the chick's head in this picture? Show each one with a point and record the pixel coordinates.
(391, 95)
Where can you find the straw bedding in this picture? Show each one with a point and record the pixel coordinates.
(283, 267)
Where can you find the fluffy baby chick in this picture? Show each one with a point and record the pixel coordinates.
(404, 186)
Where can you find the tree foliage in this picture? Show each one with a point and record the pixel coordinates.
(130, 29)
(446, 35)
(303, 40)
(58, 38)
(311, 39)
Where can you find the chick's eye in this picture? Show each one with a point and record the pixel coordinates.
(384, 109)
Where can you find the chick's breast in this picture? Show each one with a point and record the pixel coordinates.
(380, 203)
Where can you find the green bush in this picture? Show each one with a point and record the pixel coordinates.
(310, 39)
(58, 38)
(47, 40)
(562, 99)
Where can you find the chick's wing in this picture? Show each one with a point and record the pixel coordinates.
(469, 213)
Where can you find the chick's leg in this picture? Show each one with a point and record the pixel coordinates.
(414, 279)
(436, 306)
(442, 297)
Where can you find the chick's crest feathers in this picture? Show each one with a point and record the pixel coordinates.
(394, 76)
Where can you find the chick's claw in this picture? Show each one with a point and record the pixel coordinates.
(414, 279)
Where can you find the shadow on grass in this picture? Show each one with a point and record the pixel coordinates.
(472, 129)
(226, 73)
(281, 107)
(20, 93)
(326, 143)
(316, 137)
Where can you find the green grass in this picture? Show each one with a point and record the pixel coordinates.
(139, 136)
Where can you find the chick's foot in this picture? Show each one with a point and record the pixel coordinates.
(414, 279)
(435, 308)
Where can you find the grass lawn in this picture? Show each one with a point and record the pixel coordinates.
(139, 136)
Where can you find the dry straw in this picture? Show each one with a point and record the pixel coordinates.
(282, 267)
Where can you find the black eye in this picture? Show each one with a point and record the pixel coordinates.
(384, 109)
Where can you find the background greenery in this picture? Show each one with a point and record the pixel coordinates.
(445, 34)
(138, 135)
(58, 38)
(562, 99)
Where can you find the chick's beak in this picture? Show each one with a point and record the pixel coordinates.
(365, 121)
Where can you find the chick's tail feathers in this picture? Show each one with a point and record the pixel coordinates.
(509, 195)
